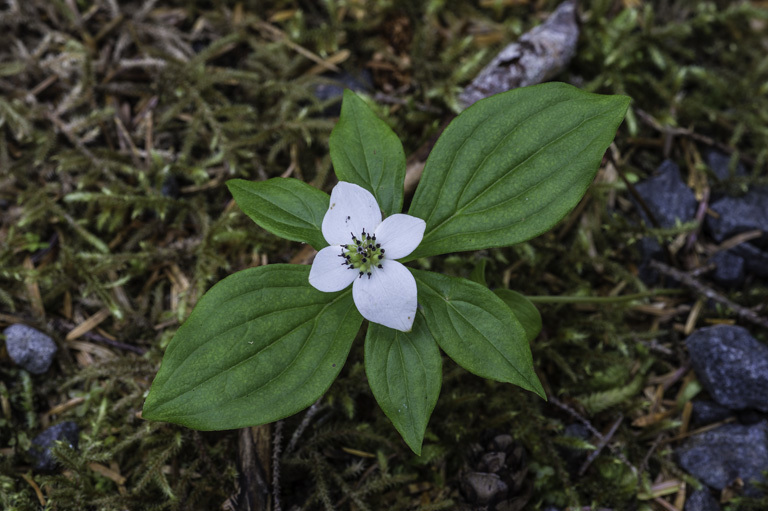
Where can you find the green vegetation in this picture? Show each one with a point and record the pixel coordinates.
(120, 123)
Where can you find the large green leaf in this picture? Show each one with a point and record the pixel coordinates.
(404, 371)
(476, 329)
(511, 166)
(525, 311)
(365, 151)
(260, 345)
(288, 208)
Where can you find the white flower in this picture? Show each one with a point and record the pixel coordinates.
(363, 249)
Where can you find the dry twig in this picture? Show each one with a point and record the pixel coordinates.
(710, 293)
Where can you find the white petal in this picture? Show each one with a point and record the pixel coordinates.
(328, 274)
(388, 297)
(400, 234)
(352, 209)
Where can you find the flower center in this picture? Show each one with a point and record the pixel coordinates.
(363, 254)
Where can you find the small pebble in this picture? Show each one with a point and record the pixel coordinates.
(723, 455)
(667, 196)
(501, 442)
(335, 89)
(721, 165)
(707, 412)
(574, 458)
(730, 269)
(29, 348)
(484, 488)
(41, 445)
(731, 365)
(755, 260)
(493, 461)
(701, 500)
(735, 215)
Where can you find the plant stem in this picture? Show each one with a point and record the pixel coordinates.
(603, 299)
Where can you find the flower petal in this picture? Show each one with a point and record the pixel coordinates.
(352, 209)
(400, 234)
(388, 297)
(328, 273)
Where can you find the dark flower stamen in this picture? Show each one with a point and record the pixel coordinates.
(362, 254)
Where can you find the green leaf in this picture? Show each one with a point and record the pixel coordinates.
(478, 273)
(476, 329)
(365, 151)
(404, 371)
(260, 345)
(288, 208)
(525, 312)
(512, 165)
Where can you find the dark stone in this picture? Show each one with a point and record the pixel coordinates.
(40, 451)
(731, 365)
(493, 462)
(739, 214)
(667, 196)
(483, 488)
(501, 442)
(701, 500)
(577, 430)
(334, 88)
(29, 348)
(574, 458)
(750, 417)
(707, 412)
(649, 250)
(721, 456)
(720, 164)
(729, 269)
(170, 187)
(755, 260)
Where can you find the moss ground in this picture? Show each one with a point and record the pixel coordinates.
(120, 123)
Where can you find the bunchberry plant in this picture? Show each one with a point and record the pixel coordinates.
(383, 289)
(266, 342)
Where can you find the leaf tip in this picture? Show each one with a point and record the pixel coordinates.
(622, 103)
(414, 444)
(538, 389)
(149, 411)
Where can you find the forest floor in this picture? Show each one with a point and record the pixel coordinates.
(120, 123)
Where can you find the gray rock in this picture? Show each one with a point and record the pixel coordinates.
(720, 456)
(170, 187)
(492, 462)
(29, 348)
(333, 88)
(729, 269)
(707, 412)
(667, 196)
(649, 250)
(501, 442)
(40, 451)
(701, 500)
(731, 365)
(574, 458)
(483, 488)
(755, 260)
(749, 417)
(740, 214)
(721, 165)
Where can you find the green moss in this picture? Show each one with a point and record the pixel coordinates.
(118, 131)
